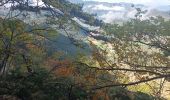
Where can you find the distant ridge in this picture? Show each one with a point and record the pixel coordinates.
(108, 12)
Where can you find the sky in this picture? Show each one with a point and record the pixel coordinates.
(146, 2)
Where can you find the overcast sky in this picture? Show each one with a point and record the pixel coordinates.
(146, 2)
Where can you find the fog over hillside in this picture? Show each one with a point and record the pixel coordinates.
(115, 12)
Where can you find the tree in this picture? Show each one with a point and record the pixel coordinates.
(139, 47)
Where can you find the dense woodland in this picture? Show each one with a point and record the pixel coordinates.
(134, 65)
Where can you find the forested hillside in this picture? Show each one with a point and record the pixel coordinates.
(52, 50)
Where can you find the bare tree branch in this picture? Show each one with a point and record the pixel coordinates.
(132, 83)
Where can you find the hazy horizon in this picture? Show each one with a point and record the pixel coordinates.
(145, 2)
